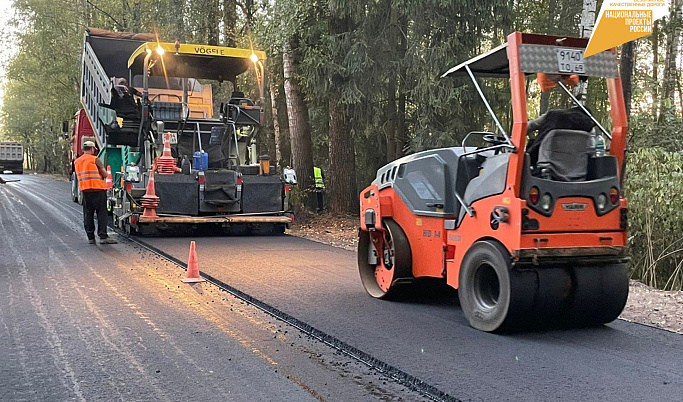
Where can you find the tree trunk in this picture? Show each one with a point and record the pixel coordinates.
(678, 85)
(586, 30)
(545, 102)
(545, 96)
(179, 26)
(667, 110)
(390, 112)
(401, 136)
(249, 14)
(269, 128)
(213, 22)
(299, 128)
(626, 69)
(276, 126)
(280, 127)
(655, 69)
(124, 15)
(391, 115)
(136, 23)
(229, 22)
(342, 173)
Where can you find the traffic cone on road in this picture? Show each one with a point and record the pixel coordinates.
(193, 267)
(150, 201)
(108, 183)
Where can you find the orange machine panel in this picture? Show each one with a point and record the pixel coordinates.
(477, 227)
(568, 240)
(425, 234)
(563, 220)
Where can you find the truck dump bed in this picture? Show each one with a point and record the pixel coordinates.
(102, 59)
(11, 157)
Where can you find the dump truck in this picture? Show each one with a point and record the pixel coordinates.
(12, 157)
(528, 232)
(78, 133)
(198, 161)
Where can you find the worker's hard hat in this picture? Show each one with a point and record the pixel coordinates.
(88, 145)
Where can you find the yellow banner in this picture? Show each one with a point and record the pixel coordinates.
(623, 21)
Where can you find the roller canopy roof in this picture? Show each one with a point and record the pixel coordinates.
(195, 61)
(493, 63)
(538, 54)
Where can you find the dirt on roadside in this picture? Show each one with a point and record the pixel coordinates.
(645, 305)
(658, 308)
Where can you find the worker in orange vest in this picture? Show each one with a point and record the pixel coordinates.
(91, 173)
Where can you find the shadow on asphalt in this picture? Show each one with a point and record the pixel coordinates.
(435, 292)
(429, 291)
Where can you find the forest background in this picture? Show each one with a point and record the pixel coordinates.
(353, 84)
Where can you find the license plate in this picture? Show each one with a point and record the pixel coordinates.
(570, 61)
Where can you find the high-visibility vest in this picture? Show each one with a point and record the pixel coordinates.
(88, 174)
(318, 174)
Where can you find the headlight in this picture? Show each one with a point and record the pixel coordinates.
(602, 201)
(546, 200)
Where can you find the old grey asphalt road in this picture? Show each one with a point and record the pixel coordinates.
(113, 322)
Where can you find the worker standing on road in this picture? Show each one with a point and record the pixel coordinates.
(319, 186)
(91, 174)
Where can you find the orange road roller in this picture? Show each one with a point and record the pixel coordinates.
(529, 226)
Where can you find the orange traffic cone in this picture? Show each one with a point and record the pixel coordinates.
(166, 162)
(193, 267)
(150, 201)
(108, 183)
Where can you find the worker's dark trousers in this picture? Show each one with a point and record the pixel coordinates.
(319, 196)
(95, 201)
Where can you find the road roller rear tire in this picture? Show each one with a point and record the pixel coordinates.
(381, 280)
(600, 294)
(493, 296)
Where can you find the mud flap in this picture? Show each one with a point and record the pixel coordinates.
(220, 195)
(220, 192)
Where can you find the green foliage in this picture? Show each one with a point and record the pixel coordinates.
(373, 67)
(42, 86)
(656, 217)
(645, 133)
